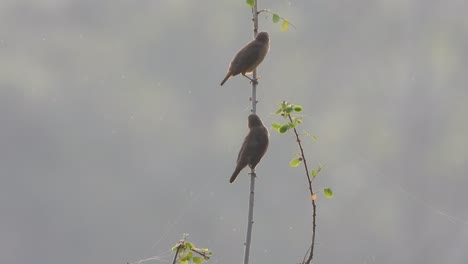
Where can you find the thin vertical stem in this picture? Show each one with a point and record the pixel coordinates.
(252, 172)
(176, 254)
(254, 74)
(250, 219)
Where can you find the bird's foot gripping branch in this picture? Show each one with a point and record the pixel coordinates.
(252, 81)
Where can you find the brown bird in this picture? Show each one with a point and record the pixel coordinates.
(254, 147)
(249, 57)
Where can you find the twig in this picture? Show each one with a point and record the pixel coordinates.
(305, 255)
(201, 253)
(314, 207)
(177, 252)
(270, 12)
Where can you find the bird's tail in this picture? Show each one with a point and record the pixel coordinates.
(235, 173)
(226, 78)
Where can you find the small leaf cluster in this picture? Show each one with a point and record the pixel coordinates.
(275, 17)
(285, 110)
(186, 250)
(284, 24)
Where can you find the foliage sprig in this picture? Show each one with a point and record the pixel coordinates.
(184, 253)
(290, 113)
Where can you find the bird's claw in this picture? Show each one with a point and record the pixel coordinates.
(254, 81)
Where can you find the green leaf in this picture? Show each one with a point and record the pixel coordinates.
(314, 137)
(314, 173)
(288, 110)
(283, 105)
(174, 248)
(297, 120)
(285, 25)
(278, 111)
(327, 192)
(187, 257)
(295, 162)
(276, 126)
(298, 108)
(250, 3)
(197, 260)
(292, 125)
(284, 128)
(276, 18)
(319, 168)
(183, 262)
(188, 246)
(206, 251)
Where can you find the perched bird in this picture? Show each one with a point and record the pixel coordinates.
(249, 57)
(254, 147)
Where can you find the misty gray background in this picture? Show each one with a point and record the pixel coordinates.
(116, 137)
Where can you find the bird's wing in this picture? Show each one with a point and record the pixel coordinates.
(242, 150)
(245, 58)
(256, 148)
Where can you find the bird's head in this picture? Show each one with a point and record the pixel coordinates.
(254, 121)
